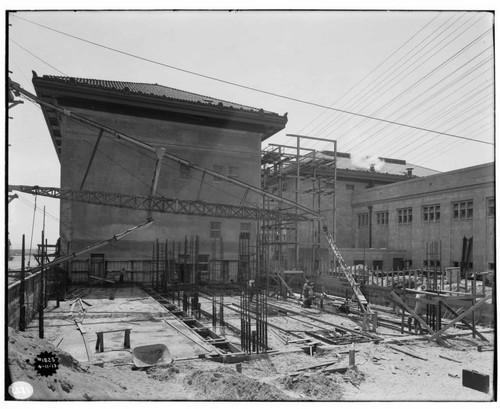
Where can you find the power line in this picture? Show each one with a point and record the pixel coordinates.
(430, 88)
(38, 58)
(391, 74)
(248, 87)
(440, 66)
(367, 75)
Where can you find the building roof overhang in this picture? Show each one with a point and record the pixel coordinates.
(181, 106)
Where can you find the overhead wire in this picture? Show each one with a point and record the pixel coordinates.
(394, 147)
(439, 50)
(367, 75)
(481, 113)
(369, 91)
(35, 56)
(458, 144)
(440, 92)
(402, 139)
(241, 85)
(430, 88)
(441, 65)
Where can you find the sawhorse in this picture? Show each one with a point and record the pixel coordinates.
(99, 346)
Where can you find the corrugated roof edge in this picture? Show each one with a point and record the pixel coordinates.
(126, 89)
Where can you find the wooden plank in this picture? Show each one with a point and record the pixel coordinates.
(459, 318)
(411, 312)
(300, 370)
(287, 287)
(407, 353)
(80, 327)
(450, 359)
(102, 279)
(465, 322)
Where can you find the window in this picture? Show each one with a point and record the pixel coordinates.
(218, 169)
(233, 172)
(215, 230)
(203, 264)
(284, 186)
(432, 213)
(185, 171)
(349, 187)
(362, 219)
(382, 217)
(491, 207)
(462, 210)
(405, 216)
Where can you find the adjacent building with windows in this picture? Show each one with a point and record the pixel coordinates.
(330, 192)
(428, 218)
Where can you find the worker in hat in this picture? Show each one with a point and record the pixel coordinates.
(308, 293)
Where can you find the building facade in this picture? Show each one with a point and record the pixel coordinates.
(317, 182)
(432, 219)
(218, 135)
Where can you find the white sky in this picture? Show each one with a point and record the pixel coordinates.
(315, 56)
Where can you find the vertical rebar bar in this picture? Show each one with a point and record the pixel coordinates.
(42, 296)
(22, 306)
(214, 311)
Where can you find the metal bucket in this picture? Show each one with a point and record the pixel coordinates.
(150, 355)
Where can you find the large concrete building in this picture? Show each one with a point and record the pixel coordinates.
(428, 218)
(215, 134)
(391, 215)
(316, 181)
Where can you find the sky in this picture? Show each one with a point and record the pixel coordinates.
(389, 72)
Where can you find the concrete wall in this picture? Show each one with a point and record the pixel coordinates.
(474, 183)
(123, 168)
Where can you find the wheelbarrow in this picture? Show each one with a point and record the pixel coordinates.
(149, 355)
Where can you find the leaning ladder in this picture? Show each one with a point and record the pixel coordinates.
(369, 317)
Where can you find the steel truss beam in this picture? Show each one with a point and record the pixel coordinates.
(158, 204)
(15, 87)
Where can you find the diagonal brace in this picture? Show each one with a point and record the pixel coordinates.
(159, 156)
(464, 314)
(92, 157)
(411, 312)
(465, 322)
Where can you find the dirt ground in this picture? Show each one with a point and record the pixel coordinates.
(381, 374)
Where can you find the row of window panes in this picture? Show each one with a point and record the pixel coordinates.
(405, 216)
(462, 210)
(362, 219)
(215, 229)
(491, 207)
(432, 213)
(382, 218)
(232, 171)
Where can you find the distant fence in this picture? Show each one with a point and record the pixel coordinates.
(377, 285)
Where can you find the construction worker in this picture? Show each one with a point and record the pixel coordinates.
(251, 289)
(308, 294)
(308, 286)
